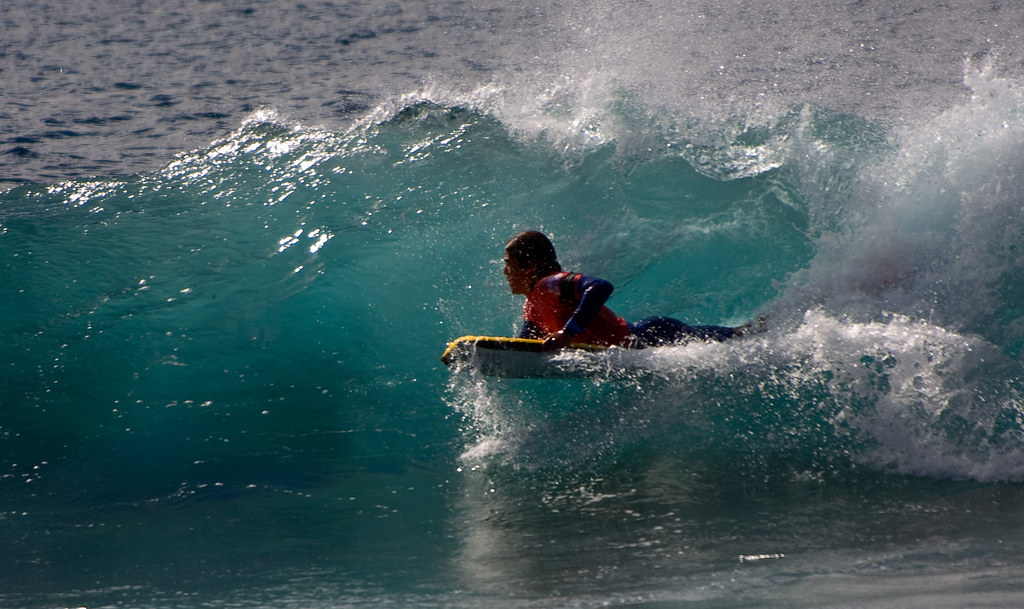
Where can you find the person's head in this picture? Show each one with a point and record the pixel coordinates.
(528, 257)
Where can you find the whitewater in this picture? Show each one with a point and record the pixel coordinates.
(235, 238)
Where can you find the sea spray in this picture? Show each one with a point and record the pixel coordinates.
(876, 342)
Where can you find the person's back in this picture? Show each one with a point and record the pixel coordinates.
(574, 304)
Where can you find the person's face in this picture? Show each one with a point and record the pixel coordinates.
(519, 278)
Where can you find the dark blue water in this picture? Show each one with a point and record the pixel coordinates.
(237, 236)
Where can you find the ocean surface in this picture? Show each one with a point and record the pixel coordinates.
(235, 237)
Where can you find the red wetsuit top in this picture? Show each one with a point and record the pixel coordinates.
(573, 303)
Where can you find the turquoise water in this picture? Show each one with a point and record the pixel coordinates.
(222, 384)
(223, 381)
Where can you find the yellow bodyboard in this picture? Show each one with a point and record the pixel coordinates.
(507, 356)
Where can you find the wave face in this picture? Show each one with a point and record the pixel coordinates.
(263, 316)
(221, 382)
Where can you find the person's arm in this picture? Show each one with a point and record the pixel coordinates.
(593, 293)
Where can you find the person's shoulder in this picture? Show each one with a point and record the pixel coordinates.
(586, 281)
(553, 283)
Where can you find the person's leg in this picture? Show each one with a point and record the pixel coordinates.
(657, 331)
(715, 333)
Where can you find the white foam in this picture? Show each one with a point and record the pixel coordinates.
(918, 399)
(932, 230)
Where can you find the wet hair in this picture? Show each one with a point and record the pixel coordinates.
(533, 249)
